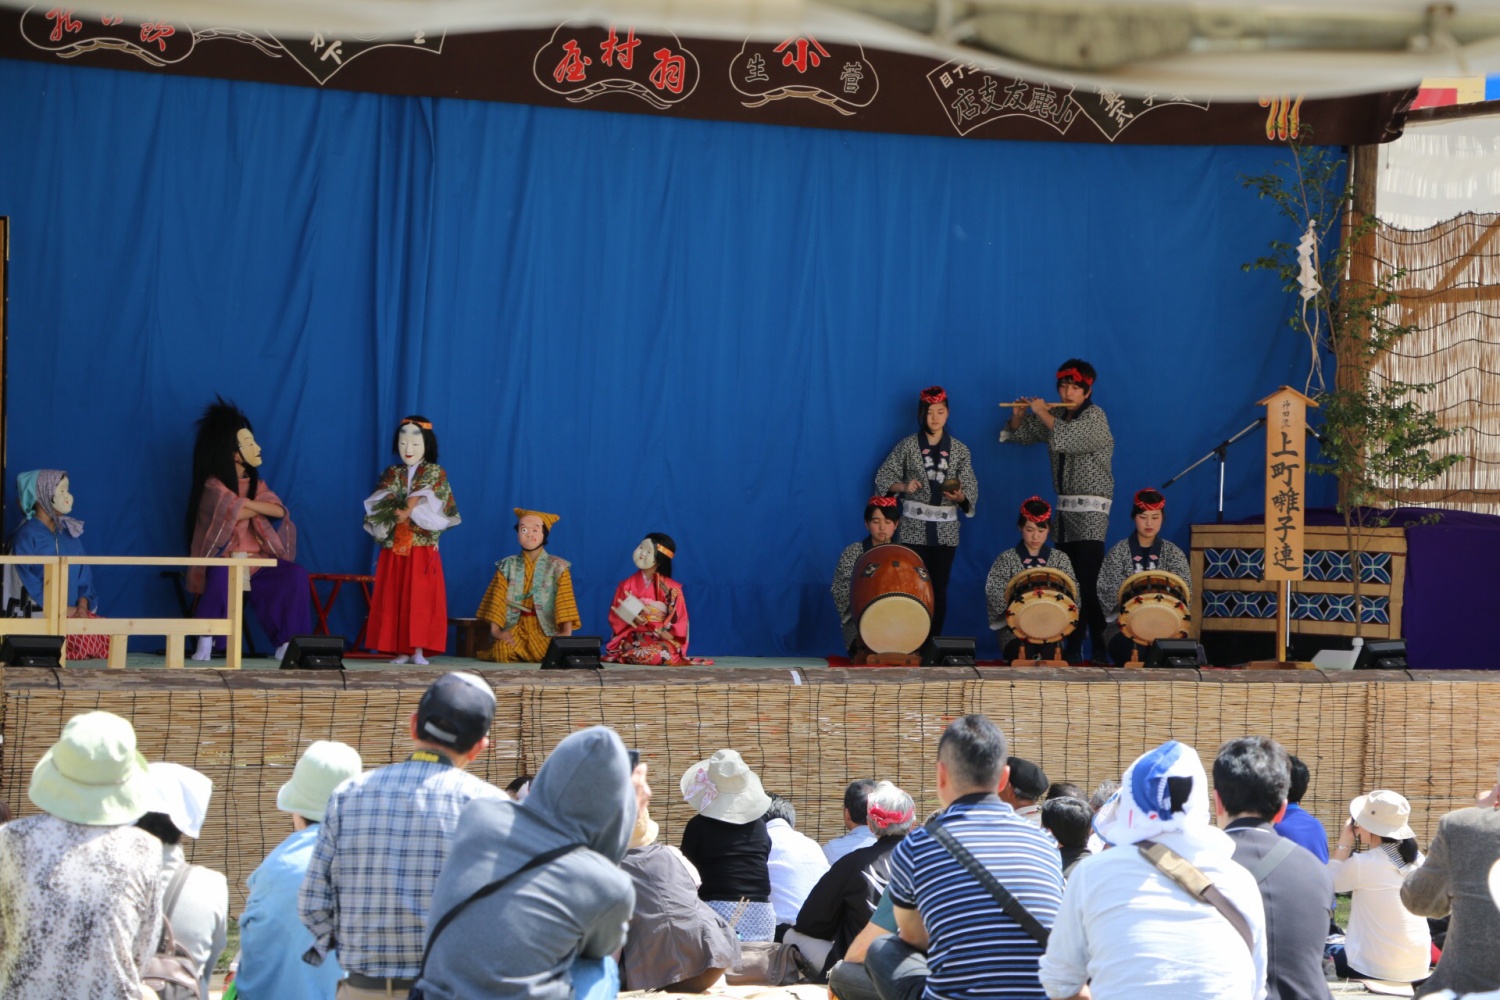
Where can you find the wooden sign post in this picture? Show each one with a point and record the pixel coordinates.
(1286, 473)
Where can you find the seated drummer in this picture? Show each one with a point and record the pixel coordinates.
(530, 598)
(1032, 552)
(881, 518)
(1142, 551)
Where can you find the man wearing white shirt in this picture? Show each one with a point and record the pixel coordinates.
(796, 861)
(855, 819)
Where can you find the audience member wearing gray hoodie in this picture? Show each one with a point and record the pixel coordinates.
(522, 940)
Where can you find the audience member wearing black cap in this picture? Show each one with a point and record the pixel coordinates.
(384, 838)
(1027, 786)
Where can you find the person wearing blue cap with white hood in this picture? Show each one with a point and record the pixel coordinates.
(1129, 930)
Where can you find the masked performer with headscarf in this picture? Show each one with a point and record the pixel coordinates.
(934, 471)
(46, 500)
(411, 507)
(1032, 552)
(229, 513)
(530, 598)
(1144, 550)
(881, 520)
(1081, 449)
(649, 614)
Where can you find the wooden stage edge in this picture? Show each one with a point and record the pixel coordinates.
(46, 678)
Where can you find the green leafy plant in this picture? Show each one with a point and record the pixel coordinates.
(1376, 435)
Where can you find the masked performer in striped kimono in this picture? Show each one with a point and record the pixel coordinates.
(411, 507)
(1082, 450)
(530, 598)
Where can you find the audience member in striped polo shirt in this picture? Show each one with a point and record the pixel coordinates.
(973, 949)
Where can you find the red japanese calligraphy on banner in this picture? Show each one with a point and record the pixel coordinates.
(568, 65)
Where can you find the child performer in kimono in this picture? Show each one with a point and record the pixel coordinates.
(1082, 450)
(934, 471)
(649, 614)
(1144, 550)
(881, 518)
(49, 531)
(1035, 522)
(411, 506)
(530, 598)
(229, 513)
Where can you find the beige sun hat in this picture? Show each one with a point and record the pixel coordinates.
(323, 766)
(93, 775)
(1384, 813)
(723, 787)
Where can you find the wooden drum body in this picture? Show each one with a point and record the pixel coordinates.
(890, 599)
(1041, 605)
(1154, 605)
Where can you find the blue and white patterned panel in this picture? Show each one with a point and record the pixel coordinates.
(1375, 567)
(1238, 604)
(1333, 566)
(1233, 564)
(1339, 608)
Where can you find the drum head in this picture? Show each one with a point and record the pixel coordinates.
(895, 623)
(1149, 622)
(1044, 621)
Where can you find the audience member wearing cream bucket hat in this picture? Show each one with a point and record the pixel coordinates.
(323, 766)
(1385, 944)
(728, 842)
(80, 884)
(93, 775)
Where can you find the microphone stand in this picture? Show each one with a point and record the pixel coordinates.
(1221, 452)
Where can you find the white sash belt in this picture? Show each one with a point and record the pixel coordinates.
(1084, 503)
(927, 512)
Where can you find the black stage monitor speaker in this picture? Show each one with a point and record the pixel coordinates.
(948, 651)
(314, 652)
(1173, 653)
(572, 652)
(31, 651)
(1382, 654)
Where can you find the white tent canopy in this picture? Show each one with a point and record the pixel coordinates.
(1221, 49)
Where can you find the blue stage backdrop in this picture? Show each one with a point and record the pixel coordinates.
(713, 330)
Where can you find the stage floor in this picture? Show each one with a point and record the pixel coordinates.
(155, 661)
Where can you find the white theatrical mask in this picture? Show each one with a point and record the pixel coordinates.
(249, 448)
(644, 555)
(410, 444)
(62, 500)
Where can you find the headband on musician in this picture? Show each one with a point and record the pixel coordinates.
(1149, 498)
(1037, 511)
(1075, 375)
(421, 422)
(934, 394)
(882, 502)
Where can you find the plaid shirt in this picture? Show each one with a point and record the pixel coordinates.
(379, 851)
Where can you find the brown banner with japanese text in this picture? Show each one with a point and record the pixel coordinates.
(801, 81)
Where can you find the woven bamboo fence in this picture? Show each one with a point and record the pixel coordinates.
(1420, 734)
(1450, 292)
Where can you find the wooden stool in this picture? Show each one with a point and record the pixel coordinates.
(470, 636)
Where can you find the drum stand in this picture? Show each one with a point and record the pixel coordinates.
(1036, 661)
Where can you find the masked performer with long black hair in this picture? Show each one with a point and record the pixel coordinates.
(230, 512)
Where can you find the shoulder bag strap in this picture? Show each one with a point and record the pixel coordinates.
(1198, 885)
(174, 889)
(486, 890)
(1273, 859)
(1012, 906)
